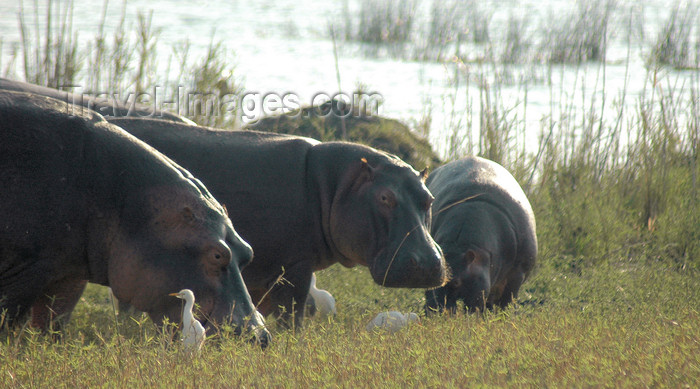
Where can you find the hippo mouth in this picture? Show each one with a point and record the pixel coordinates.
(407, 271)
(246, 327)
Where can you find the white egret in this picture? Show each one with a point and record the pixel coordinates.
(391, 321)
(193, 334)
(322, 299)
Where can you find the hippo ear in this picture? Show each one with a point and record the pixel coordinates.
(187, 214)
(424, 174)
(477, 257)
(470, 256)
(358, 174)
(366, 173)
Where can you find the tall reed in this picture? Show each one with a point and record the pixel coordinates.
(674, 44)
(51, 59)
(124, 63)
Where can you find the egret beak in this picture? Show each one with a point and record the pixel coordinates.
(174, 294)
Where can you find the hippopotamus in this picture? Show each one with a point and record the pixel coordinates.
(83, 201)
(486, 228)
(107, 107)
(305, 205)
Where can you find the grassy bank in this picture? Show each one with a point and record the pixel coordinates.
(620, 324)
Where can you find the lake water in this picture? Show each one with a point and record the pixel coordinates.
(284, 47)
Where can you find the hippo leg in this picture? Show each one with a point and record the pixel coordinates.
(476, 280)
(441, 299)
(435, 300)
(290, 298)
(17, 295)
(310, 306)
(127, 309)
(510, 291)
(14, 308)
(287, 298)
(262, 303)
(54, 306)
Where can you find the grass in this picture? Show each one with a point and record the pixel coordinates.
(54, 58)
(674, 44)
(581, 36)
(124, 62)
(441, 30)
(612, 301)
(619, 324)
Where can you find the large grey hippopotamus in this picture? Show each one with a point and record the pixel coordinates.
(107, 107)
(305, 205)
(83, 201)
(486, 228)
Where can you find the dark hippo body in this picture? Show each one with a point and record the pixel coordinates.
(305, 205)
(107, 107)
(486, 228)
(83, 201)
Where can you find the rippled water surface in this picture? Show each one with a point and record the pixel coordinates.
(284, 46)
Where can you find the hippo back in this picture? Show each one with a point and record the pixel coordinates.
(259, 176)
(108, 107)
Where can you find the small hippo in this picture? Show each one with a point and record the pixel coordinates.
(486, 228)
(83, 201)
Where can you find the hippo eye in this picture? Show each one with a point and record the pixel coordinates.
(387, 199)
(219, 255)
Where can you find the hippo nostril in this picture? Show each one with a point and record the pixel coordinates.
(414, 262)
(259, 336)
(263, 338)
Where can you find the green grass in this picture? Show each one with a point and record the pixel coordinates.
(617, 324)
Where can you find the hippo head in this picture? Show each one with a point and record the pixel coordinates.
(172, 238)
(380, 218)
(470, 265)
(469, 282)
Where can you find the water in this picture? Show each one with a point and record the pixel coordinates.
(284, 47)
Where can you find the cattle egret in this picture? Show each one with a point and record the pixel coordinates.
(391, 321)
(192, 330)
(322, 300)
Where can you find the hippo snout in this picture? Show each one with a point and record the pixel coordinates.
(430, 272)
(254, 329)
(262, 337)
(413, 270)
